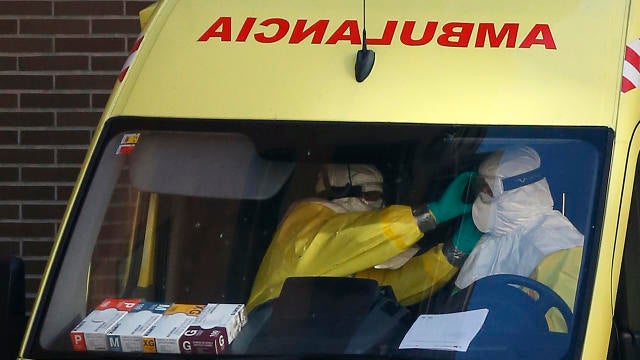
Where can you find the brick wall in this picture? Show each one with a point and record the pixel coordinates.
(59, 60)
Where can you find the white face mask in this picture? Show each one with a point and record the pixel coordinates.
(355, 204)
(483, 213)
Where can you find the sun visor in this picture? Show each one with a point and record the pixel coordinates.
(222, 165)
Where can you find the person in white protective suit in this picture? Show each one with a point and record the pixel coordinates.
(351, 233)
(523, 234)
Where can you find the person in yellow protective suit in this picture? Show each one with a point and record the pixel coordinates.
(523, 234)
(357, 236)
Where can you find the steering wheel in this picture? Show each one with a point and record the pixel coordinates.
(511, 305)
(516, 325)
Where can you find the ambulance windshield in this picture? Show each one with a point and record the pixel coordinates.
(302, 238)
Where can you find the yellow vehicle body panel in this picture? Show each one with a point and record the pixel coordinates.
(562, 66)
(621, 178)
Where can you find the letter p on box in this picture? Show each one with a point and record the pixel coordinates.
(77, 341)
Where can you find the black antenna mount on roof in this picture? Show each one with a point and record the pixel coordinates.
(365, 57)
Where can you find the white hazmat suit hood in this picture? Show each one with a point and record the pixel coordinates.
(506, 210)
(364, 176)
(518, 219)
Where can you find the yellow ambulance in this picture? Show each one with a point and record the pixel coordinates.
(230, 115)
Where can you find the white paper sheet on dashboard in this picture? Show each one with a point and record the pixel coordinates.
(453, 331)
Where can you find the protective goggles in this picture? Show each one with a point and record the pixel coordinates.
(337, 192)
(479, 185)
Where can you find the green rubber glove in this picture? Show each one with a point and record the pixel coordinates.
(467, 236)
(450, 204)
